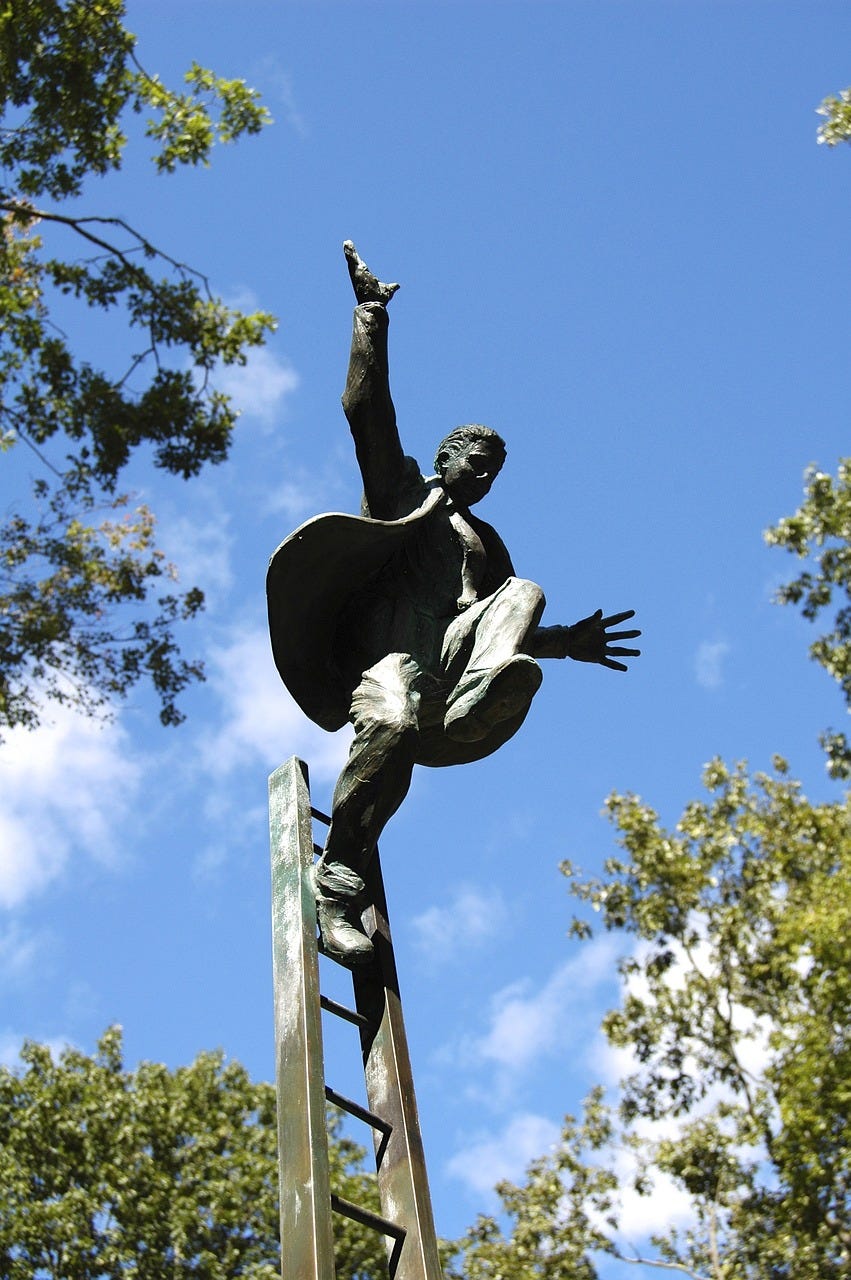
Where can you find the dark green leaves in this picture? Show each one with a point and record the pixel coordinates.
(151, 1173)
(80, 620)
(820, 532)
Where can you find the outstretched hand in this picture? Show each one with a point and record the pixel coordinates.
(591, 640)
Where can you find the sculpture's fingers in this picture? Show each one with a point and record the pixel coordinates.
(623, 635)
(623, 653)
(615, 618)
(612, 665)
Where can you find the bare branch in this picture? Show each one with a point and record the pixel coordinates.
(80, 226)
(660, 1264)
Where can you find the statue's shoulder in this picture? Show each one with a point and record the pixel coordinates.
(411, 493)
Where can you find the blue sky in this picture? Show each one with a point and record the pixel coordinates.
(620, 246)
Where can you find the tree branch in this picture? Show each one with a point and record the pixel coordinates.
(660, 1264)
(16, 207)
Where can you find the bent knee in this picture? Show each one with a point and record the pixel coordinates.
(526, 591)
(386, 701)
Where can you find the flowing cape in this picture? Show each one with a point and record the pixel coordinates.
(312, 576)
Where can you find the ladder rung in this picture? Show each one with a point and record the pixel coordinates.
(341, 1011)
(356, 1110)
(366, 1218)
(320, 816)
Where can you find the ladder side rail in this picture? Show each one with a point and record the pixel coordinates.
(400, 1159)
(307, 1244)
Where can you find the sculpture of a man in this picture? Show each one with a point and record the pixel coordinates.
(408, 621)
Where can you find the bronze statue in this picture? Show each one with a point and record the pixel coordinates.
(407, 620)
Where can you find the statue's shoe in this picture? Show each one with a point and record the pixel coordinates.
(342, 938)
(487, 699)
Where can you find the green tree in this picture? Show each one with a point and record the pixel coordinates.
(734, 1010)
(820, 531)
(87, 604)
(152, 1173)
(736, 993)
(837, 113)
(556, 1219)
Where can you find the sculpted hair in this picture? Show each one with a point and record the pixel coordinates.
(463, 436)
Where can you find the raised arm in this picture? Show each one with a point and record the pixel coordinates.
(367, 402)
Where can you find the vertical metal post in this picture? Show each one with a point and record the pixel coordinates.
(400, 1160)
(307, 1246)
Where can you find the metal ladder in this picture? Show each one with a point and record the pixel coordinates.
(306, 1199)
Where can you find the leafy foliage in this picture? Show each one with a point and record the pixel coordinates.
(734, 1014)
(557, 1217)
(151, 1173)
(735, 1010)
(821, 530)
(69, 85)
(837, 113)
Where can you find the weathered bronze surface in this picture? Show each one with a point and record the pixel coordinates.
(408, 621)
(307, 1245)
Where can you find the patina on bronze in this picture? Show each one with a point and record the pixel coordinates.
(407, 620)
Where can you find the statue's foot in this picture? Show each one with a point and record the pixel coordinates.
(343, 937)
(487, 699)
(367, 287)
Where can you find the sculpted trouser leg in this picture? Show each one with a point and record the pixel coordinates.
(372, 785)
(486, 655)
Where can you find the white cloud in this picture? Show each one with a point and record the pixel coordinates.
(11, 1043)
(295, 499)
(527, 1022)
(201, 549)
(708, 663)
(641, 1216)
(668, 1205)
(303, 492)
(259, 387)
(486, 1159)
(490, 1158)
(280, 91)
(468, 919)
(64, 788)
(18, 950)
(261, 721)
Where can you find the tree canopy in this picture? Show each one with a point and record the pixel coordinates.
(736, 988)
(820, 532)
(836, 110)
(149, 1173)
(734, 1013)
(87, 601)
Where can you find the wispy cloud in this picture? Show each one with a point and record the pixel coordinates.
(467, 920)
(527, 1023)
(11, 1043)
(641, 1216)
(709, 662)
(279, 93)
(201, 549)
(488, 1158)
(18, 950)
(259, 387)
(63, 788)
(259, 720)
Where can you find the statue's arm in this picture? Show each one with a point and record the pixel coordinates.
(367, 402)
(590, 640)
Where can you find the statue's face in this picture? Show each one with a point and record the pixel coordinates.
(468, 474)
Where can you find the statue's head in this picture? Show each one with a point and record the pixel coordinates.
(468, 461)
